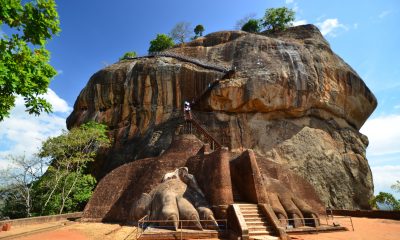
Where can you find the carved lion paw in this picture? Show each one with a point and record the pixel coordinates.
(289, 209)
(176, 200)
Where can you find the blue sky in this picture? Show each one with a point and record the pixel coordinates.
(96, 33)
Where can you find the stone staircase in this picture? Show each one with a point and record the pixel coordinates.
(256, 222)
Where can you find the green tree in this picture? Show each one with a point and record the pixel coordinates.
(239, 23)
(161, 43)
(69, 156)
(180, 32)
(80, 194)
(385, 201)
(16, 184)
(252, 26)
(278, 19)
(396, 186)
(24, 60)
(198, 31)
(131, 54)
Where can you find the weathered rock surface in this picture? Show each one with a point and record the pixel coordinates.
(291, 99)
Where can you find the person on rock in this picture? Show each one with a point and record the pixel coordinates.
(186, 108)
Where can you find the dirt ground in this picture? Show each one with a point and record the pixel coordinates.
(364, 229)
(75, 231)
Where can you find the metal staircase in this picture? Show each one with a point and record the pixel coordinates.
(192, 126)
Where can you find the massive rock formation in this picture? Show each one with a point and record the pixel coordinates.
(290, 99)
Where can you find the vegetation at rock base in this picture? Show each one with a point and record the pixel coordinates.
(24, 60)
(198, 31)
(385, 201)
(278, 19)
(161, 43)
(131, 54)
(180, 32)
(65, 186)
(16, 185)
(252, 26)
(396, 186)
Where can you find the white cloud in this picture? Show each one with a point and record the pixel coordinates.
(355, 25)
(299, 22)
(384, 14)
(385, 177)
(22, 133)
(59, 104)
(295, 5)
(383, 134)
(321, 17)
(383, 152)
(330, 26)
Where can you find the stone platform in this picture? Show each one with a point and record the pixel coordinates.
(162, 233)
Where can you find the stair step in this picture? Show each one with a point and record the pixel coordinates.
(255, 219)
(265, 237)
(258, 228)
(249, 215)
(256, 223)
(251, 212)
(259, 233)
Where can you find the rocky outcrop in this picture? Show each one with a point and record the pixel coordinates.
(291, 99)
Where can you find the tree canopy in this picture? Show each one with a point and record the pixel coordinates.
(241, 22)
(24, 60)
(396, 186)
(180, 32)
(69, 155)
(253, 26)
(385, 201)
(278, 19)
(131, 54)
(66, 186)
(161, 43)
(198, 30)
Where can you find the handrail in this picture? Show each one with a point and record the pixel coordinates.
(140, 226)
(214, 144)
(183, 58)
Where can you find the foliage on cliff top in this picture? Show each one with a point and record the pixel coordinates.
(161, 43)
(253, 26)
(130, 54)
(278, 19)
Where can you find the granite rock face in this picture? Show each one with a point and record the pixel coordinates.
(291, 99)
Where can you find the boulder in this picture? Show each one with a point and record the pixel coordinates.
(287, 96)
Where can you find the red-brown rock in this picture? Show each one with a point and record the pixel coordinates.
(291, 99)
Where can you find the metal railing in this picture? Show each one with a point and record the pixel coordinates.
(193, 127)
(145, 223)
(338, 221)
(185, 58)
